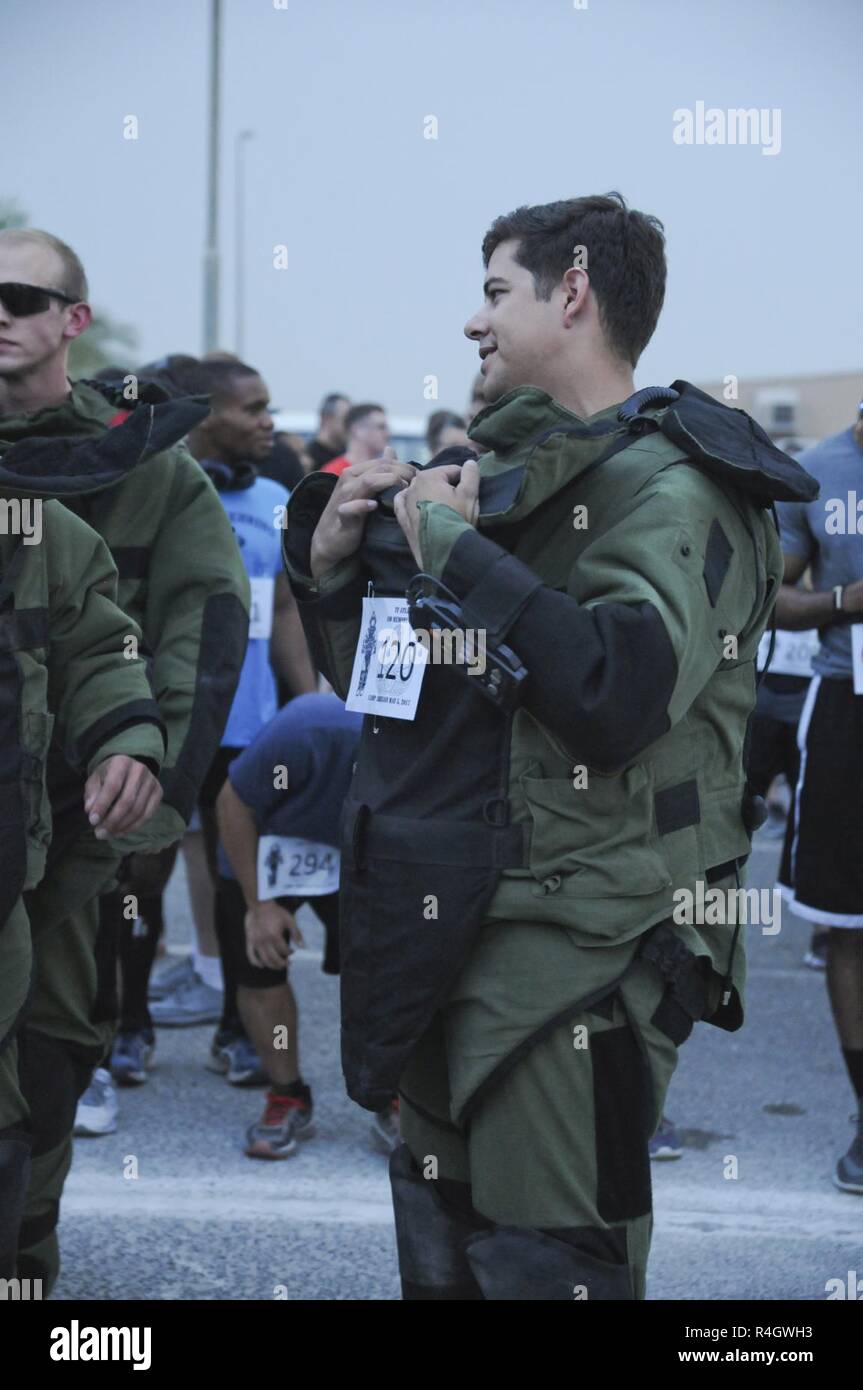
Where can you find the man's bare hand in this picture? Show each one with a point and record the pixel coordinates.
(456, 486)
(339, 532)
(120, 796)
(270, 929)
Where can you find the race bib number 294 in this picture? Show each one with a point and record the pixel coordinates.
(289, 866)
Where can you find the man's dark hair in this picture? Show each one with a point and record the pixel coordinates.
(439, 421)
(330, 402)
(168, 372)
(357, 413)
(624, 256)
(214, 378)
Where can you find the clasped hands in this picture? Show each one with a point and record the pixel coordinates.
(339, 532)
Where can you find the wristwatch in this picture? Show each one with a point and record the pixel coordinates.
(838, 591)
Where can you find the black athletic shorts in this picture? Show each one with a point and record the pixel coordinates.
(822, 870)
(231, 908)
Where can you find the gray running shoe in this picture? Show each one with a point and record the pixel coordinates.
(169, 979)
(385, 1128)
(665, 1143)
(190, 1004)
(97, 1109)
(285, 1120)
(238, 1061)
(849, 1169)
(131, 1056)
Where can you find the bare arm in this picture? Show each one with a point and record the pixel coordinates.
(269, 927)
(289, 650)
(797, 610)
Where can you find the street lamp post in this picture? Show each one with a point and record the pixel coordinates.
(211, 248)
(243, 136)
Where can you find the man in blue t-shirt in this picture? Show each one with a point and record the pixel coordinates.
(822, 874)
(234, 438)
(279, 814)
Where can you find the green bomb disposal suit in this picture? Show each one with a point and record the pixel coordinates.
(182, 582)
(532, 1027)
(63, 670)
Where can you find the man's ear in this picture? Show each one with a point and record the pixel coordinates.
(576, 285)
(199, 437)
(79, 320)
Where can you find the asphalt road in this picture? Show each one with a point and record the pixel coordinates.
(201, 1221)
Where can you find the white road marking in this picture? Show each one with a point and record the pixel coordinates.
(273, 1191)
(276, 1194)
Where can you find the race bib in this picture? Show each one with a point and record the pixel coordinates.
(289, 867)
(261, 614)
(792, 653)
(389, 664)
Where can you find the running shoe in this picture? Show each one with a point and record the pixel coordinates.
(169, 979)
(849, 1169)
(666, 1142)
(131, 1057)
(286, 1119)
(236, 1059)
(189, 1004)
(97, 1109)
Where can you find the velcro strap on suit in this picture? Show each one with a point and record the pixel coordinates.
(678, 965)
(496, 602)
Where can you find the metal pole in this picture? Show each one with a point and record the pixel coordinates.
(240, 238)
(211, 248)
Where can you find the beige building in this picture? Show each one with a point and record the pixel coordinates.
(796, 411)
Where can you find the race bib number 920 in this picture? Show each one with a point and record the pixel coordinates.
(389, 664)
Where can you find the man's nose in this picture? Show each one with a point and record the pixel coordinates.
(477, 326)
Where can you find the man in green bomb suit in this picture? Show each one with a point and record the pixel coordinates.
(64, 667)
(514, 845)
(183, 583)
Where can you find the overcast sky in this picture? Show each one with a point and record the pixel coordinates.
(534, 100)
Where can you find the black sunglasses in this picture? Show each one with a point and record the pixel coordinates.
(24, 300)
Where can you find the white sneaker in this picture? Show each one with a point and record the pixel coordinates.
(97, 1109)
